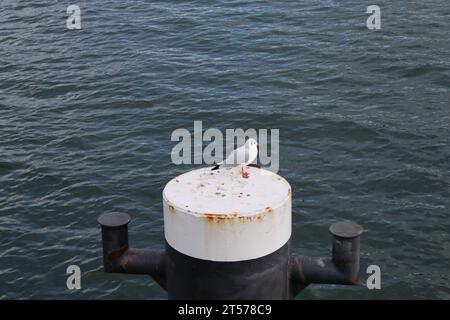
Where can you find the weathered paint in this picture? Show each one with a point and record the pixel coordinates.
(224, 217)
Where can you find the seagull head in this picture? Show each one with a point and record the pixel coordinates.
(251, 143)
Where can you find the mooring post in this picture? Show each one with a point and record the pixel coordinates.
(228, 237)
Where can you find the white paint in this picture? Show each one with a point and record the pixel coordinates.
(220, 216)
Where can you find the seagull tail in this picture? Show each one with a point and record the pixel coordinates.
(215, 167)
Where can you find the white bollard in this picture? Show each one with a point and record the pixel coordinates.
(219, 216)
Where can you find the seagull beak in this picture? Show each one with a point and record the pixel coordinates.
(257, 146)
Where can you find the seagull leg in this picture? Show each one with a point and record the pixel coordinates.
(244, 173)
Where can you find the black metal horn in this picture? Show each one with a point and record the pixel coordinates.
(118, 257)
(341, 268)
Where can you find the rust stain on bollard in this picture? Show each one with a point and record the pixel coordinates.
(130, 255)
(231, 217)
(215, 217)
(113, 255)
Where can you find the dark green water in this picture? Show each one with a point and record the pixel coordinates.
(86, 117)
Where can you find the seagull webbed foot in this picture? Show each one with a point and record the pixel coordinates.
(244, 173)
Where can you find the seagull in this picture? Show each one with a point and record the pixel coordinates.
(242, 156)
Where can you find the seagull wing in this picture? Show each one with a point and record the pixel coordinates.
(236, 157)
(250, 155)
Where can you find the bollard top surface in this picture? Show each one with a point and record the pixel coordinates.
(346, 229)
(114, 219)
(226, 192)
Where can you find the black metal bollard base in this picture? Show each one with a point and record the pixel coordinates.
(275, 276)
